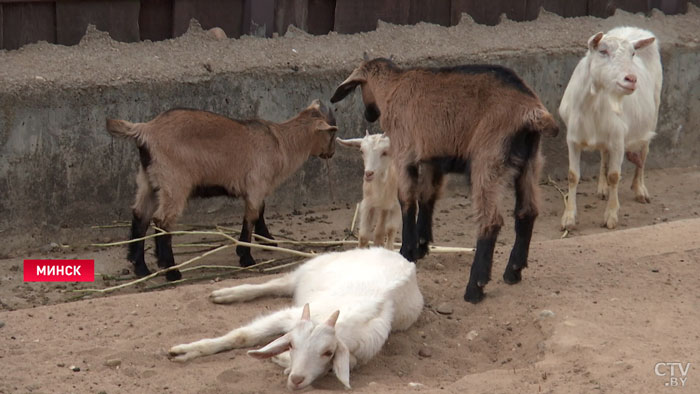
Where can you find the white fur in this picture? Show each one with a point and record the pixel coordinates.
(601, 114)
(380, 212)
(374, 290)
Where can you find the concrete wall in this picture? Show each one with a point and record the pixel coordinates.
(60, 169)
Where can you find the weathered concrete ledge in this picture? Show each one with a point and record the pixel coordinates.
(59, 168)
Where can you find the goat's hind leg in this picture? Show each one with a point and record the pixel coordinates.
(261, 228)
(486, 192)
(252, 334)
(526, 211)
(142, 210)
(640, 190)
(280, 287)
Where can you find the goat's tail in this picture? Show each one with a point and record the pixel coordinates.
(542, 121)
(122, 128)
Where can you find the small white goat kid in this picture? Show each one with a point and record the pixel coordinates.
(357, 297)
(612, 104)
(380, 211)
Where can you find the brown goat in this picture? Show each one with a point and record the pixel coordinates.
(481, 120)
(189, 153)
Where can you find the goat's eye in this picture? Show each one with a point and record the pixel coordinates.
(384, 153)
(328, 354)
(604, 52)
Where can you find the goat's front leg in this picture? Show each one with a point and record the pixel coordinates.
(603, 175)
(380, 228)
(250, 219)
(568, 220)
(640, 190)
(283, 286)
(366, 220)
(430, 185)
(252, 334)
(617, 153)
(408, 179)
(261, 227)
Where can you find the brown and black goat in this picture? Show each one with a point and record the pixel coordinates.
(190, 153)
(481, 120)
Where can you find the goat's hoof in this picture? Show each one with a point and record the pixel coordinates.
(610, 220)
(568, 221)
(173, 275)
(644, 199)
(141, 270)
(247, 261)
(408, 253)
(512, 276)
(474, 294)
(182, 353)
(423, 250)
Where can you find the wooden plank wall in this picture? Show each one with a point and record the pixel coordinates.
(65, 21)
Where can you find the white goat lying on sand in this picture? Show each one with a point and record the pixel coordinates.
(357, 297)
(612, 104)
(380, 212)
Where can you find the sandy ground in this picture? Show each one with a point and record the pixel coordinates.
(621, 301)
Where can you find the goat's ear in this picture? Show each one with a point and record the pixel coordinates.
(273, 348)
(341, 364)
(351, 142)
(366, 132)
(333, 319)
(324, 126)
(357, 77)
(639, 44)
(306, 312)
(595, 40)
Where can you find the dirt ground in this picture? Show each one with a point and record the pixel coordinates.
(620, 301)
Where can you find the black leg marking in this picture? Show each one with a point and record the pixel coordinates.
(246, 259)
(425, 227)
(261, 228)
(521, 248)
(164, 251)
(409, 238)
(135, 253)
(481, 269)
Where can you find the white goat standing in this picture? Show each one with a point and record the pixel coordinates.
(380, 211)
(366, 293)
(612, 104)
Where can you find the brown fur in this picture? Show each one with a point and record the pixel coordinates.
(249, 159)
(473, 114)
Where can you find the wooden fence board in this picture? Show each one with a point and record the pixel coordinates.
(321, 16)
(291, 12)
(566, 8)
(634, 6)
(25, 23)
(437, 11)
(352, 16)
(259, 18)
(156, 20)
(671, 7)
(2, 44)
(226, 14)
(601, 8)
(119, 18)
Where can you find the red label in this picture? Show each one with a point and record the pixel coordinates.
(59, 270)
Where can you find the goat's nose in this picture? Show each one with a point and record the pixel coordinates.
(631, 78)
(369, 174)
(296, 379)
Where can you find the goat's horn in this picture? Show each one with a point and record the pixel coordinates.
(306, 314)
(334, 317)
(366, 132)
